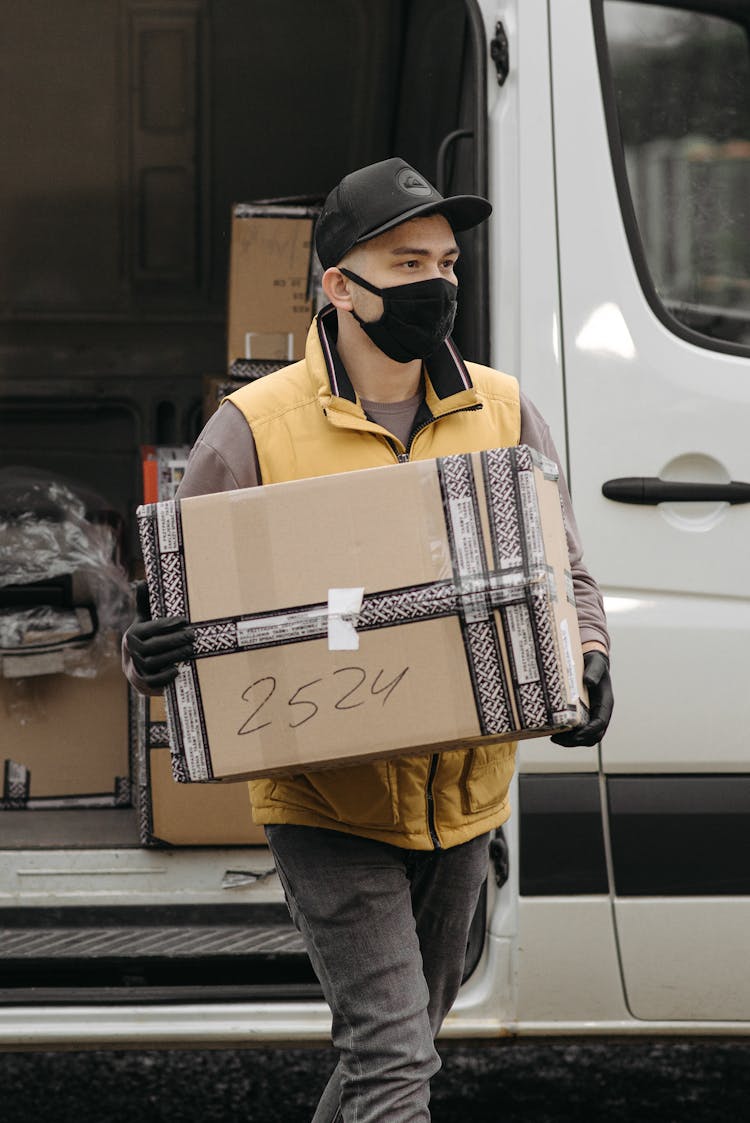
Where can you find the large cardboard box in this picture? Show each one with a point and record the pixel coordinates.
(65, 741)
(171, 814)
(362, 615)
(272, 281)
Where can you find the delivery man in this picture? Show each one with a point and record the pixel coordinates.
(382, 863)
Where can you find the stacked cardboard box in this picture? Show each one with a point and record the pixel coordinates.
(171, 814)
(273, 283)
(342, 648)
(274, 292)
(65, 741)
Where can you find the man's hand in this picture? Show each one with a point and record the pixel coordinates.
(157, 646)
(601, 701)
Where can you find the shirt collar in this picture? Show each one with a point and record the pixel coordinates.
(445, 369)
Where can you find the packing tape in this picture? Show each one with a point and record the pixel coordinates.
(471, 577)
(160, 527)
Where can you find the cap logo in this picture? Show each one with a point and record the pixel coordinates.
(408, 180)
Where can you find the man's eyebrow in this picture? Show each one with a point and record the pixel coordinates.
(418, 251)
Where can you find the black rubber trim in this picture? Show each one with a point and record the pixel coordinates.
(680, 835)
(730, 10)
(481, 348)
(561, 835)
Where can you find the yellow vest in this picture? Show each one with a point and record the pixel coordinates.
(307, 421)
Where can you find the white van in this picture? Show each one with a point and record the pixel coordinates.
(613, 139)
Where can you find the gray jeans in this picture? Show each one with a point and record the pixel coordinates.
(386, 932)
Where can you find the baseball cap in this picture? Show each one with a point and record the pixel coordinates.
(376, 198)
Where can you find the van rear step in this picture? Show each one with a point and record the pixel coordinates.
(180, 953)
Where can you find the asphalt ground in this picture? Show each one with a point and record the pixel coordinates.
(505, 1082)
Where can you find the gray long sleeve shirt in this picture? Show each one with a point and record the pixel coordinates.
(224, 458)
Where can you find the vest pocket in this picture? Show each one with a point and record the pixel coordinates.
(487, 776)
(361, 795)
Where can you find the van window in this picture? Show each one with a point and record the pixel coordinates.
(680, 83)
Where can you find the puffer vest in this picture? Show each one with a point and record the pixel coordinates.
(307, 421)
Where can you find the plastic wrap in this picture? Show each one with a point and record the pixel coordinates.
(64, 596)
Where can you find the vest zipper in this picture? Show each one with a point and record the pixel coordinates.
(404, 456)
(431, 803)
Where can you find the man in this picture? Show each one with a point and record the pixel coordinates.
(382, 863)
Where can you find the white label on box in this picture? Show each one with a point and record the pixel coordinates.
(570, 664)
(522, 643)
(190, 727)
(344, 607)
(166, 520)
(466, 539)
(281, 629)
(532, 522)
(269, 345)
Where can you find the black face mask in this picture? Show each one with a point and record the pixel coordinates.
(416, 318)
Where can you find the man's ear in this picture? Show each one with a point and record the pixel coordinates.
(336, 288)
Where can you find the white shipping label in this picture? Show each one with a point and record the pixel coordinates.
(281, 629)
(522, 643)
(465, 536)
(532, 522)
(190, 724)
(344, 606)
(166, 520)
(570, 664)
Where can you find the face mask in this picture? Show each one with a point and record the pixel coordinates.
(416, 318)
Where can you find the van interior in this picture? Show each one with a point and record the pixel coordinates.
(130, 129)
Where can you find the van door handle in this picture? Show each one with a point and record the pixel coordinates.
(650, 490)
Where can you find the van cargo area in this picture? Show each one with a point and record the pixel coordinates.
(130, 129)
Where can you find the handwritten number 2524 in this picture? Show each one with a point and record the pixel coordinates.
(305, 708)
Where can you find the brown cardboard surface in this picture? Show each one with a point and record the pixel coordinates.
(270, 261)
(488, 657)
(200, 815)
(316, 705)
(192, 815)
(71, 733)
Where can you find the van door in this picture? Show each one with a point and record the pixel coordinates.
(651, 107)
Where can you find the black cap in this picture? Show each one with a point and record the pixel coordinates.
(376, 198)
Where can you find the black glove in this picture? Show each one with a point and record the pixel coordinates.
(601, 701)
(157, 646)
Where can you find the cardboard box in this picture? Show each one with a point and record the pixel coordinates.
(272, 281)
(65, 741)
(171, 814)
(338, 619)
